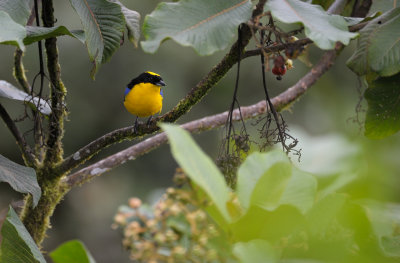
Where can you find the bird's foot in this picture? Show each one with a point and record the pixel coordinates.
(149, 121)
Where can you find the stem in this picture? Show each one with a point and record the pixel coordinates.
(19, 71)
(37, 220)
(54, 151)
(234, 99)
(38, 135)
(23, 146)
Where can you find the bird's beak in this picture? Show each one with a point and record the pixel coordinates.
(161, 83)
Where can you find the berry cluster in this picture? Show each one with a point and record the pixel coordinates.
(176, 229)
(282, 64)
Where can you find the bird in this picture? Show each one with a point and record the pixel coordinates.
(143, 96)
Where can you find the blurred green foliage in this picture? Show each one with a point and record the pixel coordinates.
(273, 216)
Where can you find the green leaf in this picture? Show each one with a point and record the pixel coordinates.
(379, 46)
(300, 191)
(271, 185)
(11, 33)
(17, 245)
(72, 251)
(385, 221)
(198, 166)
(103, 23)
(258, 223)
(391, 245)
(269, 180)
(340, 181)
(383, 114)
(18, 10)
(21, 178)
(255, 251)
(11, 92)
(206, 25)
(132, 19)
(324, 212)
(259, 170)
(322, 28)
(382, 6)
(35, 34)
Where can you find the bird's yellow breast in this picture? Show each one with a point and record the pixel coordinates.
(144, 100)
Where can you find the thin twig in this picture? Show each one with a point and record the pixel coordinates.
(280, 102)
(234, 99)
(23, 146)
(37, 132)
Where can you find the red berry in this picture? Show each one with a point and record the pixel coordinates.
(279, 70)
(279, 61)
(275, 71)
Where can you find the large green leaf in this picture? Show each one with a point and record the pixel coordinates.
(11, 32)
(383, 114)
(39, 33)
(17, 245)
(300, 191)
(11, 92)
(258, 223)
(254, 168)
(270, 186)
(379, 46)
(269, 180)
(72, 251)
(324, 29)
(21, 178)
(324, 212)
(385, 221)
(103, 23)
(198, 166)
(255, 251)
(339, 182)
(132, 19)
(18, 10)
(205, 25)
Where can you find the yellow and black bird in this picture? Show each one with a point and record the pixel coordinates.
(144, 96)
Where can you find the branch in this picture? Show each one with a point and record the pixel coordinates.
(183, 106)
(19, 70)
(54, 150)
(280, 102)
(295, 45)
(23, 146)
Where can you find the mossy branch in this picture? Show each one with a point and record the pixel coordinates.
(19, 71)
(37, 220)
(54, 151)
